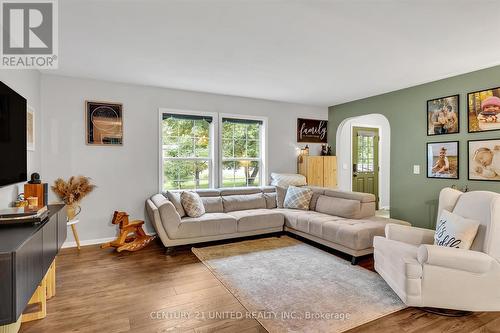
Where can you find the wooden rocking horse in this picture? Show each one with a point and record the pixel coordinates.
(132, 237)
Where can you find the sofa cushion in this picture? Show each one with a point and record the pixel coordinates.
(192, 204)
(257, 219)
(298, 197)
(243, 202)
(240, 190)
(362, 197)
(208, 192)
(270, 200)
(209, 224)
(338, 206)
(212, 204)
(175, 199)
(356, 234)
(317, 191)
(299, 219)
(268, 189)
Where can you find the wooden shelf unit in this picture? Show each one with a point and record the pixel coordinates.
(319, 170)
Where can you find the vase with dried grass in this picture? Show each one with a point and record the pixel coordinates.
(71, 192)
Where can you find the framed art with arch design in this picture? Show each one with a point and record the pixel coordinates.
(104, 123)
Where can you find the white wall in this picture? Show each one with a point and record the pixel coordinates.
(344, 153)
(127, 175)
(27, 84)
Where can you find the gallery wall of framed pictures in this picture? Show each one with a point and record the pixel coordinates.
(483, 155)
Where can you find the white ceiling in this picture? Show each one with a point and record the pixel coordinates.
(311, 52)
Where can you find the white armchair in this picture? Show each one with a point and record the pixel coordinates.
(427, 275)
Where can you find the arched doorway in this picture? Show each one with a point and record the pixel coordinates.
(344, 149)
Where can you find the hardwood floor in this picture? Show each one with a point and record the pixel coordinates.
(103, 291)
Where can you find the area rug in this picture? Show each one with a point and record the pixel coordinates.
(289, 286)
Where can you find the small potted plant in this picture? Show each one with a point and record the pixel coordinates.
(71, 192)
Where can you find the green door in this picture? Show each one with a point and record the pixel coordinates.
(365, 166)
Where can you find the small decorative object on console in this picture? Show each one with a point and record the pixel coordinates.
(35, 178)
(36, 189)
(137, 241)
(72, 192)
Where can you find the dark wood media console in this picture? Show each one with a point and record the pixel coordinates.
(26, 253)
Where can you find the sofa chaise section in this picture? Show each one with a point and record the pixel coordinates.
(342, 220)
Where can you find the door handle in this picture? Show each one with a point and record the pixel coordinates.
(354, 174)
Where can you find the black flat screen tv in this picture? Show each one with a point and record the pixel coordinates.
(13, 155)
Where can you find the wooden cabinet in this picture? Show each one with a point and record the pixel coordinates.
(319, 170)
(26, 252)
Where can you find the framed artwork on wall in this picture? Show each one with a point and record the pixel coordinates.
(484, 159)
(30, 128)
(312, 130)
(443, 115)
(483, 110)
(104, 123)
(442, 160)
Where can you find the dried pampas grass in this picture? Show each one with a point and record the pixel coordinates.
(74, 190)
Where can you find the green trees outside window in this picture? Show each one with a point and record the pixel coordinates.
(186, 150)
(240, 153)
(186, 153)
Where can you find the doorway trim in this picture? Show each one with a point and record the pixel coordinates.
(343, 148)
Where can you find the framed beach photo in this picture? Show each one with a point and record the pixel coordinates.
(484, 159)
(443, 115)
(483, 110)
(442, 160)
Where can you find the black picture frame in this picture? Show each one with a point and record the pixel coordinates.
(103, 123)
(312, 130)
(457, 143)
(469, 111)
(470, 163)
(457, 111)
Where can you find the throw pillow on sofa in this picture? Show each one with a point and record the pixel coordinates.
(455, 231)
(298, 197)
(192, 204)
(280, 196)
(175, 199)
(287, 179)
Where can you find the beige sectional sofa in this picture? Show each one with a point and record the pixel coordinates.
(344, 221)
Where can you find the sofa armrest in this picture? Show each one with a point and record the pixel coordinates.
(459, 259)
(164, 214)
(408, 234)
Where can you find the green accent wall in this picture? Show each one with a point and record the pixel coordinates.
(414, 197)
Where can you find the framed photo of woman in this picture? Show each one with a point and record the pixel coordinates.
(443, 115)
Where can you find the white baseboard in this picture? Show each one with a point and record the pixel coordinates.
(95, 241)
(67, 244)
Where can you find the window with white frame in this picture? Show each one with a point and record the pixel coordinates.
(186, 151)
(241, 146)
(203, 150)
